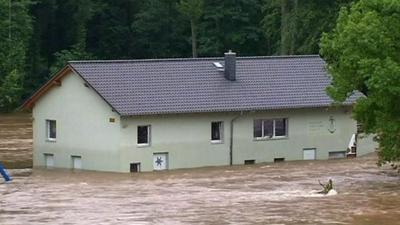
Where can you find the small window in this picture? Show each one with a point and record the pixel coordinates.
(270, 128)
(216, 131)
(135, 167)
(51, 127)
(76, 162)
(280, 127)
(48, 160)
(277, 160)
(249, 162)
(258, 128)
(143, 135)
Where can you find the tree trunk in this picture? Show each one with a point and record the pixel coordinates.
(293, 27)
(285, 41)
(194, 38)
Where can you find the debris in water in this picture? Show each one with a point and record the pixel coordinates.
(327, 187)
(332, 192)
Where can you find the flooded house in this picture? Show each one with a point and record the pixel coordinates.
(158, 114)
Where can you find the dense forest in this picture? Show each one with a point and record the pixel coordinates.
(39, 36)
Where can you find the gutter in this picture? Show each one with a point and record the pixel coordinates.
(231, 137)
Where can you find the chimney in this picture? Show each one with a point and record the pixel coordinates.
(230, 65)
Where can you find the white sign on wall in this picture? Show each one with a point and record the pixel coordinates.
(160, 161)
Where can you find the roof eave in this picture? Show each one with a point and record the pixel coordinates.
(332, 105)
(54, 81)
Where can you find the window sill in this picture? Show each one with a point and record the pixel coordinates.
(143, 145)
(216, 142)
(51, 140)
(270, 139)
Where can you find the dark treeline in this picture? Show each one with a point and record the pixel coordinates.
(38, 37)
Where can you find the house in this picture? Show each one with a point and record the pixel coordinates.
(145, 115)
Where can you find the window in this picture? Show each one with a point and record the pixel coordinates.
(48, 160)
(216, 131)
(51, 127)
(143, 135)
(135, 167)
(76, 162)
(270, 128)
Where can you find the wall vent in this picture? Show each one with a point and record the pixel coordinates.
(276, 160)
(249, 162)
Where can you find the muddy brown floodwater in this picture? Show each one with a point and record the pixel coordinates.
(282, 193)
(16, 140)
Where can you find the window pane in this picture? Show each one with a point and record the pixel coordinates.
(280, 127)
(216, 130)
(257, 128)
(52, 129)
(143, 134)
(268, 128)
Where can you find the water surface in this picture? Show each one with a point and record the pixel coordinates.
(282, 193)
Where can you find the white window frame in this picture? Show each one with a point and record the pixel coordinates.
(263, 137)
(221, 133)
(48, 131)
(148, 136)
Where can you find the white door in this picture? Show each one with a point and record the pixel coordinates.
(49, 160)
(309, 154)
(160, 161)
(76, 162)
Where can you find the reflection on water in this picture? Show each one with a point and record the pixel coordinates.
(282, 193)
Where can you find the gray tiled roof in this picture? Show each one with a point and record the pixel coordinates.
(140, 87)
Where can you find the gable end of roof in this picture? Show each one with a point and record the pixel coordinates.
(56, 81)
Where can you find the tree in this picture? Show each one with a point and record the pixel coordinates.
(160, 30)
(15, 32)
(63, 56)
(295, 27)
(11, 90)
(192, 9)
(231, 25)
(363, 55)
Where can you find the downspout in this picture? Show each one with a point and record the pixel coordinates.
(231, 138)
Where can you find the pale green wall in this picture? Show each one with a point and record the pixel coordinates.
(307, 128)
(186, 137)
(83, 129)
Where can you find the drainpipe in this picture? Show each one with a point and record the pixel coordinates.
(231, 138)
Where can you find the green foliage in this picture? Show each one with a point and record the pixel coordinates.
(295, 27)
(159, 30)
(15, 33)
(231, 25)
(192, 9)
(363, 54)
(63, 56)
(10, 91)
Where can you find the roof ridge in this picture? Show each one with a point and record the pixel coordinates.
(191, 59)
